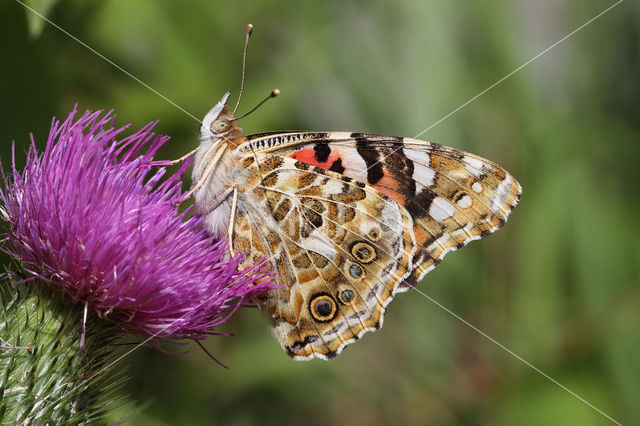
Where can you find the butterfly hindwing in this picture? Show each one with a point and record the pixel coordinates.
(341, 249)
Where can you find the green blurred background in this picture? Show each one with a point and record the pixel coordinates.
(558, 285)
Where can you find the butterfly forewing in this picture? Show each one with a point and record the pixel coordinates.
(454, 197)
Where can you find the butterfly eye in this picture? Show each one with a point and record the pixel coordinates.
(346, 296)
(323, 308)
(221, 125)
(363, 251)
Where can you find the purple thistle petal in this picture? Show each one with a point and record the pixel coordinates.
(94, 216)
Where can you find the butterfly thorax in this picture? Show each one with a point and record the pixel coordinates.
(227, 172)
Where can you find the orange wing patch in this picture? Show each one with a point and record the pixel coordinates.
(340, 160)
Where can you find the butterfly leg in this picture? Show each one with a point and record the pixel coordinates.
(220, 198)
(184, 157)
(210, 168)
(234, 204)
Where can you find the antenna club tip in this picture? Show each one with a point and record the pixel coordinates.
(249, 28)
(275, 93)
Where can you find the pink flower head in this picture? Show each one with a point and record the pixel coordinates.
(93, 216)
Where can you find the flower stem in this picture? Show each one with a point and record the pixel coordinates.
(46, 375)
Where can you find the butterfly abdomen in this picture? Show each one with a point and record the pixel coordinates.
(213, 198)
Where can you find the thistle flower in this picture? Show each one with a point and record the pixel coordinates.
(93, 216)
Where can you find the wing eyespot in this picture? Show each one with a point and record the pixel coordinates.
(363, 252)
(356, 271)
(346, 296)
(323, 308)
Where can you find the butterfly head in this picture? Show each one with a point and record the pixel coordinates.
(219, 124)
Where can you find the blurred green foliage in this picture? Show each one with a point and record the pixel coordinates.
(558, 285)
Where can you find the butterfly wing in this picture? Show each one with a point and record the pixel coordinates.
(441, 198)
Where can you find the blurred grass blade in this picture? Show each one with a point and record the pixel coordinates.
(35, 22)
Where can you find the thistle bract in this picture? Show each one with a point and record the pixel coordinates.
(95, 216)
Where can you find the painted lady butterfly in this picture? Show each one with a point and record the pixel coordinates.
(347, 219)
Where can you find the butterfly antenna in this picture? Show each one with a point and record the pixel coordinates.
(273, 94)
(244, 64)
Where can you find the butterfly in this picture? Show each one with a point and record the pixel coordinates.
(347, 220)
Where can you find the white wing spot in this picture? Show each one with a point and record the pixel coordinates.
(334, 186)
(464, 202)
(473, 165)
(476, 187)
(422, 173)
(319, 243)
(441, 209)
(354, 163)
(502, 193)
(392, 217)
